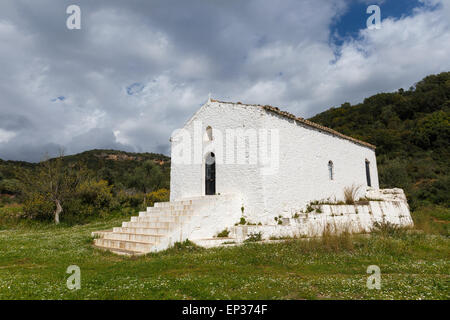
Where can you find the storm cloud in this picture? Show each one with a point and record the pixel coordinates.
(137, 70)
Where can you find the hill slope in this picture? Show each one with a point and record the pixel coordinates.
(119, 168)
(411, 130)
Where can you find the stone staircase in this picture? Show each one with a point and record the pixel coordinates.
(164, 224)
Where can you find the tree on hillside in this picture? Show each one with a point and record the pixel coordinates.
(53, 183)
(411, 130)
(146, 178)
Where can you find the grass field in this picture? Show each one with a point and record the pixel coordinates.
(34, 258)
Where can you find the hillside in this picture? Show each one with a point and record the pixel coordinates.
(411, 129)
(119, 168)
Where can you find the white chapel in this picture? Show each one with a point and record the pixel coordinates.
(240, 170)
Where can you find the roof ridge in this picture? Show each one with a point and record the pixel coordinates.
(302, 120)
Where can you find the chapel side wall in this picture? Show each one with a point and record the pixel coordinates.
(303, 174)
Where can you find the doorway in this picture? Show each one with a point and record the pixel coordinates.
(210, 174)
(369, 183)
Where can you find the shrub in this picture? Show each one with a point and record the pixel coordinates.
(129, 199)
(223, 234)
(254, 237)
(9, 186)
(160, 195)
(95, 193)
(38, 207)
(388, 229)
(394, 174)
(185, 246)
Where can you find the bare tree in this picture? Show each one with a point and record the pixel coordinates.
(54, 181)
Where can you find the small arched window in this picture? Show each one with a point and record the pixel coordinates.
(330, 170)
(209, 133)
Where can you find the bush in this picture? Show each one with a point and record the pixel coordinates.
(129, 199)
(223, 234)
(91, 199)
(185, 246)
(9, 186)
(436, 191)
(388, 229)
(394, 174)
(254, 237)
(95, 193)
(161, 195)
(38, 207)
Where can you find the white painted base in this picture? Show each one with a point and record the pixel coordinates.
(201, 219)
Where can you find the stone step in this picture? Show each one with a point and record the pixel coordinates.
(215, 242)
(173, 209)
(147, 238)
(119, 251)
(100, 234)
(128, 245)
(175, 219)
(154, 228)
(150, 231)
(140, 224)
(190, 201)
(166, 213)
(170, 208)
(173, 203)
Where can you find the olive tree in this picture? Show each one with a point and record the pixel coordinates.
(54, 181)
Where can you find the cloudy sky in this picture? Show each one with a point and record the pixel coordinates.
(137, 70)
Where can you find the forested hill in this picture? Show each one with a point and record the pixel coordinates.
(411, 129)
(124, 170)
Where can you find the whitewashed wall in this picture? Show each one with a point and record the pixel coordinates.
(303, 172)
(303, 167)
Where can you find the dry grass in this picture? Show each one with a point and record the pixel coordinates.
(350, 193)
(335, 241)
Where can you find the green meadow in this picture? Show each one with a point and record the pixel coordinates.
(34, 257)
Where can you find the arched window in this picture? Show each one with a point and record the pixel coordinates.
(330, 170)
(369, 183)
(209, 133)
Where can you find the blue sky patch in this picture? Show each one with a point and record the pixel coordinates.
(354, 19)
(60, 98)
(135, 88)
